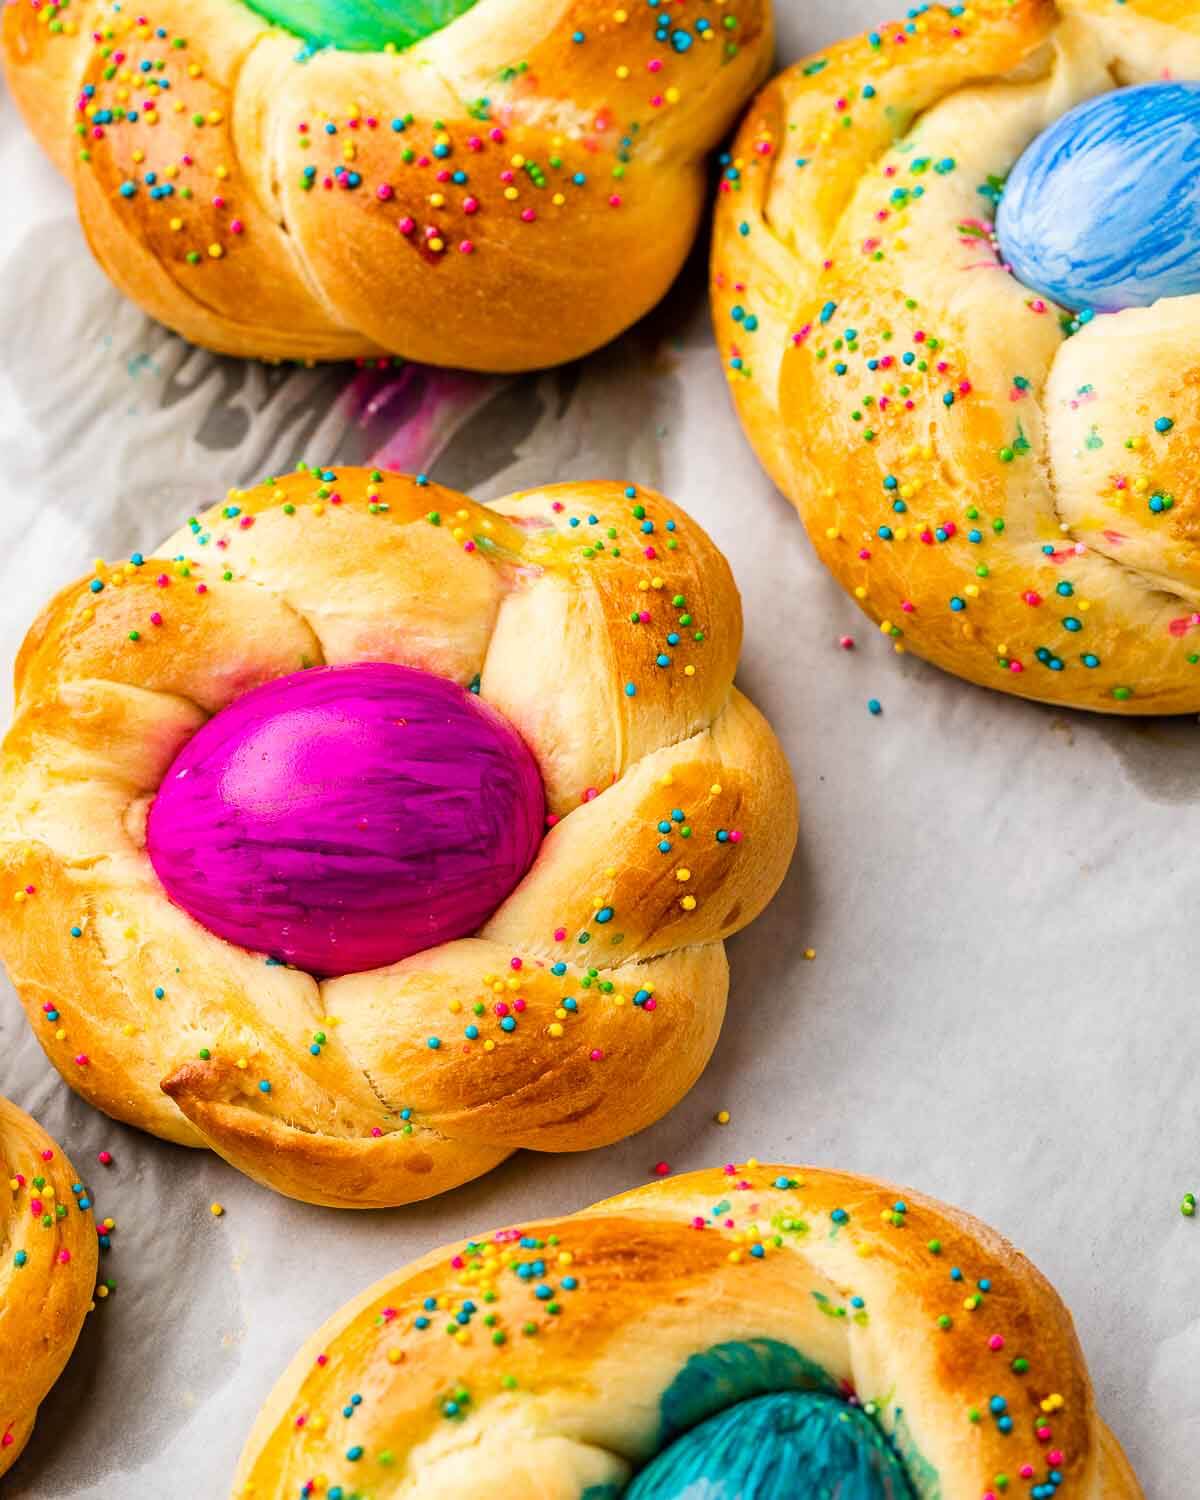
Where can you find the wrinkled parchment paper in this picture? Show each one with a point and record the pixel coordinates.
(1002, 1009)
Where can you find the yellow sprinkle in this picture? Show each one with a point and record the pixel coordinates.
(683, 874)
(810, 953)
(672, 95)
(216, 1209)
(688, 903)
(689, 671)
(489, 1045)
(241, 1063)
(722, 1117)
(715, 789)
(555, 1029)
(832, 533)
(216, 251)
(394, 1356)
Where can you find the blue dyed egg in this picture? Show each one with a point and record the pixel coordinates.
(797, 1445)
(1103, 209)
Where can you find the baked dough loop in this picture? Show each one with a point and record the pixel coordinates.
(1005, 486)
(48, 1252)
(510, 191)
(861, 1341)
(604, 625)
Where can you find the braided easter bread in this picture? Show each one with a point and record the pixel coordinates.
(48, 1251)
(498, 184)
(598, 620)
(762, 1331)
(1002, 481)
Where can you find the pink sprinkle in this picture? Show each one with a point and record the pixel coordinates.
(247, 521)
(322, 1359)
(470, 205)
(1015, 666)
(515, 963)
(7, 1440)
(661, 1169)
(64, 1257)
(47, 1155)
(163, 581)
(1031, 598)
(301, 1419)
(615, 201)
(82, 1060)
(466, 247)
(560, 934)
(908, 607)
(697, 1222)
(385, 192)
(406, 225)
(202, 588)
(596, 1054)
(654, 65)
(650, 553)
(457, 1262)
(864, 554)
(1026, 1471)
(528, 215)
(376, 1131)
(1055, 1456)
(104, 1158)
(735, 835)
(651, 1004)
(519, 1005)
(156, 618)
(995, 1342)
(846, 643)
(1043, 1434)
(591, 794)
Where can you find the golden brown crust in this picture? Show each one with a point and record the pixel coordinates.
(948, 470)
(267, 207)
(604, 623)
(48, 1256)
(550, 1392)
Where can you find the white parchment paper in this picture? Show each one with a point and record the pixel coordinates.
(1002, 1009)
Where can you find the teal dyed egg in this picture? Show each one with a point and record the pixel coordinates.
(796, 1445)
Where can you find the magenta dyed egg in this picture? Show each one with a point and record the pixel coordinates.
(346, 817)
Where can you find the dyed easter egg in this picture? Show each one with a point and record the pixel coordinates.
(346, 817)
(798, 1445)
(362, 25)
(1103, 210)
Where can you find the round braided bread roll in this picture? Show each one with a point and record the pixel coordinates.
(860, 1343)
(604, 625)
(496, 184)
(48, 1252)
(1004, 484)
